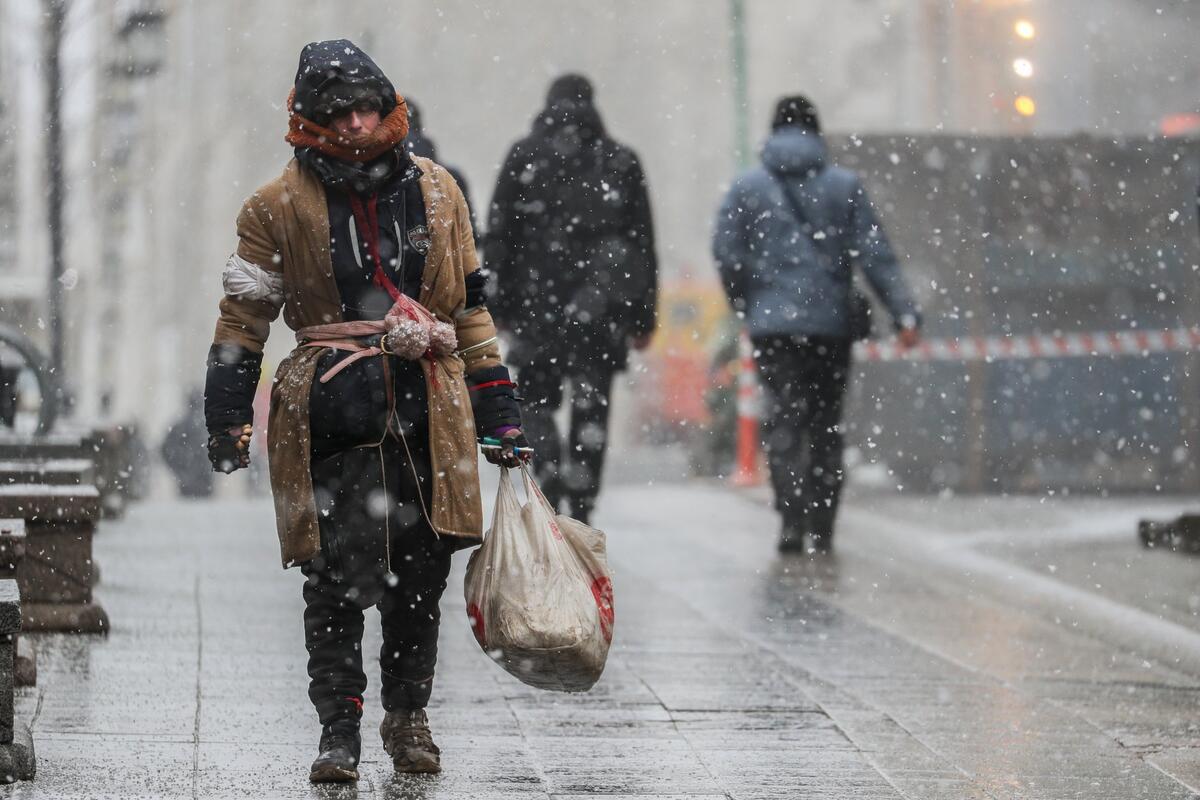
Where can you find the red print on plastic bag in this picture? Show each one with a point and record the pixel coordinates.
(602, 590)
(476, 617)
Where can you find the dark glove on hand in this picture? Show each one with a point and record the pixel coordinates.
(230, 450)
(507, 456)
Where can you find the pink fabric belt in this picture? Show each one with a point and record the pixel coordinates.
(343, 336)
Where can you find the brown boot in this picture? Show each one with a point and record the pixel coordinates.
(407, 739)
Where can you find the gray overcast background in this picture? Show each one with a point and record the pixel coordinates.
(208, 127)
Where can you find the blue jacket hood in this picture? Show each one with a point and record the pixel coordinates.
(793, 150)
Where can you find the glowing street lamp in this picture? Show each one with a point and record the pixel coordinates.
(1025, 106)
(1023, 67)
(1024, 28)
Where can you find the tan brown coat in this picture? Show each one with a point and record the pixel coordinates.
(284, 227)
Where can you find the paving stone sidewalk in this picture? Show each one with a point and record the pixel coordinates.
(734, 674)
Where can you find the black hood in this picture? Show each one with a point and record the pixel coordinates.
(575, 118)
(571, 86)
(336, 74)
(569, 108)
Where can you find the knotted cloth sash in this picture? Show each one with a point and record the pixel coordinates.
(366, 338)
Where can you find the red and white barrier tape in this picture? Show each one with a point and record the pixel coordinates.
(1009, 348)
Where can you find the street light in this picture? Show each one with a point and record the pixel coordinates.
(1024, 28)
(1025, 106)
(1023, 67)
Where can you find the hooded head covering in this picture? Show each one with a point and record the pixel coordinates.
(334, 76)
(571, 87)
(796, 110)
(569, 110)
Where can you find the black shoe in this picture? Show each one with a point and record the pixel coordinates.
(820, 543)
(407, 739)
(791, 539)
(338, 760)
(582, 512)
(1180, 535)
(820, 529)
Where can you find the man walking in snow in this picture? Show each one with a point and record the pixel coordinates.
(571, 241)
(368, 252)
(419, 143)
(787, 238)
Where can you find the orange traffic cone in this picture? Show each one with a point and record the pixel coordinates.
(749, 408)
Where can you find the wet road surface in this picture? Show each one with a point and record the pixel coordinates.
(957, 648)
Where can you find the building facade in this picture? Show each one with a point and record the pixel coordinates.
(174, 112)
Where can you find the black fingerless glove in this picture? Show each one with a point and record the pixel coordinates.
(494, 400)
(224, 453)
(229, 387)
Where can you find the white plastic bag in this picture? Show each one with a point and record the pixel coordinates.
(539, 593)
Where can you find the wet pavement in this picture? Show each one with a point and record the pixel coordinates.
(953, 648)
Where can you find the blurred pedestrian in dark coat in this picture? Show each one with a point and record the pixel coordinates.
(184, 450)
(419, 144)
(571, 241)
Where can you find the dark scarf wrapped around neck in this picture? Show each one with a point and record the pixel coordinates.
(361, 178)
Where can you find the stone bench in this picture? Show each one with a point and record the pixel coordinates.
(56, 574)
(114, 453)
(60, 444)
(54, 471)
(120, 467)
(16, 743)
(12, 550)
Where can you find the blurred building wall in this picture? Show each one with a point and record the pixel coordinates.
(1036, 237)
(21, 286)
(480, 70)
(8, 165)
(207, 128)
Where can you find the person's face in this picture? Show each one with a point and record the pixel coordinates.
(360, 120)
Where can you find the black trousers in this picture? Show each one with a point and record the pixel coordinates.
(377, 549)
(804, 381)
(574, 473)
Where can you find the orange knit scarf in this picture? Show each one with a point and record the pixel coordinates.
(306, 133)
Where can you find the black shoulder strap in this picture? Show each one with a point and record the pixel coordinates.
(793, 203)
(806, 226)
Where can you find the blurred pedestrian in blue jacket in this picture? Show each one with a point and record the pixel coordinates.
(788, 236)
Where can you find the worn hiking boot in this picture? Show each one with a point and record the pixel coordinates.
(407, 739)
(338, 759)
